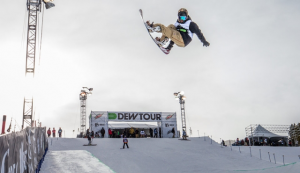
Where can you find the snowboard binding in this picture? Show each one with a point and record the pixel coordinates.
(151, 28)
(163, 42)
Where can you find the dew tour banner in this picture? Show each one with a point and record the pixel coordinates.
(21, 151)
(100, 119)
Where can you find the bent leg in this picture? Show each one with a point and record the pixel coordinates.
(171, 33)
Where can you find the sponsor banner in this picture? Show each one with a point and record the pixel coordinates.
(135, 116)
(168, 116)
(167, 129)
(21, 151)
(98, 120)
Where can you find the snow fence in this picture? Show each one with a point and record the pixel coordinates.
(23, 151)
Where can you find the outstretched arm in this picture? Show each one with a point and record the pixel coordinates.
(195, 29)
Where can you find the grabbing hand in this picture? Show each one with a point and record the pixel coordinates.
(206, 44)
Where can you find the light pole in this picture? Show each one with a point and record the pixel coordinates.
(180, 96)
(82, 97)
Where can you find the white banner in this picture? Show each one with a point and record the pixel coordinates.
(167, 129)
(98, 119)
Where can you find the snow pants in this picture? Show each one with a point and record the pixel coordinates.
(124, 145)
(171, 33)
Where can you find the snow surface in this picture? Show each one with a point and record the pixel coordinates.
(165, 155)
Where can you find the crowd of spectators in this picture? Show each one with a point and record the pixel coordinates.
(261, 141)
(129, 132)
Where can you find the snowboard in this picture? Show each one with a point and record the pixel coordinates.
(89, 144)
(165, 51)
(184, 139)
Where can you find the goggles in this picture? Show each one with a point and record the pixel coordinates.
(182, 17)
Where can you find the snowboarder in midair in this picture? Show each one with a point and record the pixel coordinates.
(181, 33)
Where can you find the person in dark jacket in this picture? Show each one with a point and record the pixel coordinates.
(173, 131)
(59, 132)
(159, 132)
(151, 133)
(155, 133)
(181, 33)
(102, 132)
(88, 135)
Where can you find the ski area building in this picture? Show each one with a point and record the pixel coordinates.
(118, 122)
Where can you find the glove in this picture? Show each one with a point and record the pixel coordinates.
(206, 44)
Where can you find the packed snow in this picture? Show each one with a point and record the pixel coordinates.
(166, 155)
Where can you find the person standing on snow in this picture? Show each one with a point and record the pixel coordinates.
(155, 133)
(125, 142)
(181, 33)
(184, 135)
(59, 132)
(173, 131)
(102, 132)
(49, 132)
(88, 135)
(110, 133)
(53, 132)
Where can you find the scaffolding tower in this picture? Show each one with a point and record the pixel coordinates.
(27, 113)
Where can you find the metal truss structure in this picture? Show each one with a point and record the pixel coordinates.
(82, 114)
(33, 7)
(182, 108)
(257, 129)
(27, 112)
(82, 97)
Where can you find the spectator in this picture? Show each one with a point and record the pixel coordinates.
(184, 135)
(102, 132)
(131, 132)
(113, 134)
(247, 141)
(242, 142)
(92, 134)
(142, 133)
(53, 132)
(223, 143)
(173, 131)
(155, 133)
(159, 132)
(49, 132)
(59, 132)
(237, 141)
(151, 133)
(97, 135)
(136, 133)
(125, 142)
(296, 143)
(290, 143)
(265, 141)
(110, 133)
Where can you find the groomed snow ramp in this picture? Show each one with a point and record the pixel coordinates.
(73, 161)
(165, 155)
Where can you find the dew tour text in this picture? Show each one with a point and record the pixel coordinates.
(141, 116)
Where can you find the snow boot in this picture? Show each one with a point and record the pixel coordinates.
(170, 46)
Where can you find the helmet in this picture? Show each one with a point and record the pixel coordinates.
(181, 13)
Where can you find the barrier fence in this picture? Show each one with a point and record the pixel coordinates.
(23, 151)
